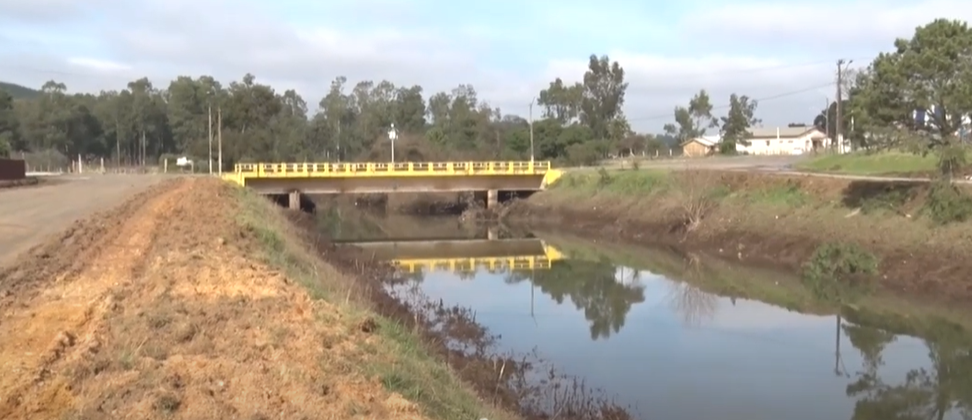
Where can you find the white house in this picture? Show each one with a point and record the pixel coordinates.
(783, 141)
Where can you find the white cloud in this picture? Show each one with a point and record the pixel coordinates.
(755, 315)
(98, 65)
(749, 49)
(815, 25)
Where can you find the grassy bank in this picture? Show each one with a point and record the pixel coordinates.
(394, 354)
(900, 163)
(773, 219)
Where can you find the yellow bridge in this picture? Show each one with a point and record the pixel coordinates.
(468, 265)
(462, 255)
(363, 178)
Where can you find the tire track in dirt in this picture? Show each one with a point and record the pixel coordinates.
(70, 251)
(61, 303)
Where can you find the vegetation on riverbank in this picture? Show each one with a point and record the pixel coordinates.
(918, 231)
(388, 352)
(888, 163)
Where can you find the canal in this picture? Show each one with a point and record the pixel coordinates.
(683, 337)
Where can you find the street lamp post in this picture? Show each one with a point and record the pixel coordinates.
(531, 130)
(392, 135)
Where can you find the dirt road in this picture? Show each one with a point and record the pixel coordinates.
(721, 162)
(30, 214)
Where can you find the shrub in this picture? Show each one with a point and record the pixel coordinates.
(837, 272)
(948, 204)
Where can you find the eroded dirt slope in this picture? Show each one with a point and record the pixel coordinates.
(156, 310)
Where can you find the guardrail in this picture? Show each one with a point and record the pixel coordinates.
(341, 170)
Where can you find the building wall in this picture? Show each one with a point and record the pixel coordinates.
(777, 146)
(695, 149)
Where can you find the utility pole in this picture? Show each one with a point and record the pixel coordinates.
(210, 139)
(531, 130)
(838, 130)
(219, 138)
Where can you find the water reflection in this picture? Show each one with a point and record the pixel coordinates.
(658, 339)
(593, 287)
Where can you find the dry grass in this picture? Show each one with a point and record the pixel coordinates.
(172, 314)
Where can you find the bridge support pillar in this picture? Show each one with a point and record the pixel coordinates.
(293, 201)
(492, 199)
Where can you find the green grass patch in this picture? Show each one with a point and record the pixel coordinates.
(641, 182)
(399, 360)
(783, 195)
(871, 163)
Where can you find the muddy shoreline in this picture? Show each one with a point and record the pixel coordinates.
(452, 334)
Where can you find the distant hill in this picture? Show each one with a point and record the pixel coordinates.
(19, 92)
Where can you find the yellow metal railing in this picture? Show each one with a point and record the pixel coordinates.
(343, 170)
(465, 265)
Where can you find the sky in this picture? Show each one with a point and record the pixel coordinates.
(782, 52)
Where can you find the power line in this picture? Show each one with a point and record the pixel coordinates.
(727, 106)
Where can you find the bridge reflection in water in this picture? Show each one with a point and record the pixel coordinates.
(461, 255)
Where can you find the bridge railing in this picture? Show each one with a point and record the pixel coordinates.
(294, 170)
(467, 265)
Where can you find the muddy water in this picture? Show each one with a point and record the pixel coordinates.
(676, 337)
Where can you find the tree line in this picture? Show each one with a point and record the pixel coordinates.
(917, 97)
(142, 122)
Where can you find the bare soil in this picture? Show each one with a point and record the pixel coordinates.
(16, 183)
(916, 257)
(157, 310)
(30, 214)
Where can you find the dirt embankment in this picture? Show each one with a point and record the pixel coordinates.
(158, 310)
(768, 219)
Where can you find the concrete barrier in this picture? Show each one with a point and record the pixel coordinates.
(12, 169)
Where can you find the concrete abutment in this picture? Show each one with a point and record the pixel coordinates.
(293, 201)
(492, 199)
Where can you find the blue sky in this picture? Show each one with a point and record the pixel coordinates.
(507, 50)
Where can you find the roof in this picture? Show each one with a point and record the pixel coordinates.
(704, 140)
(774, 132)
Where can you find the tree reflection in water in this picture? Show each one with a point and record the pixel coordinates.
(692, 304)
(943, 390)
(593, 287)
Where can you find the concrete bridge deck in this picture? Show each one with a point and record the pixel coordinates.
(365, 178)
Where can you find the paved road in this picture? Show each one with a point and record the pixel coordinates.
(29, 215)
